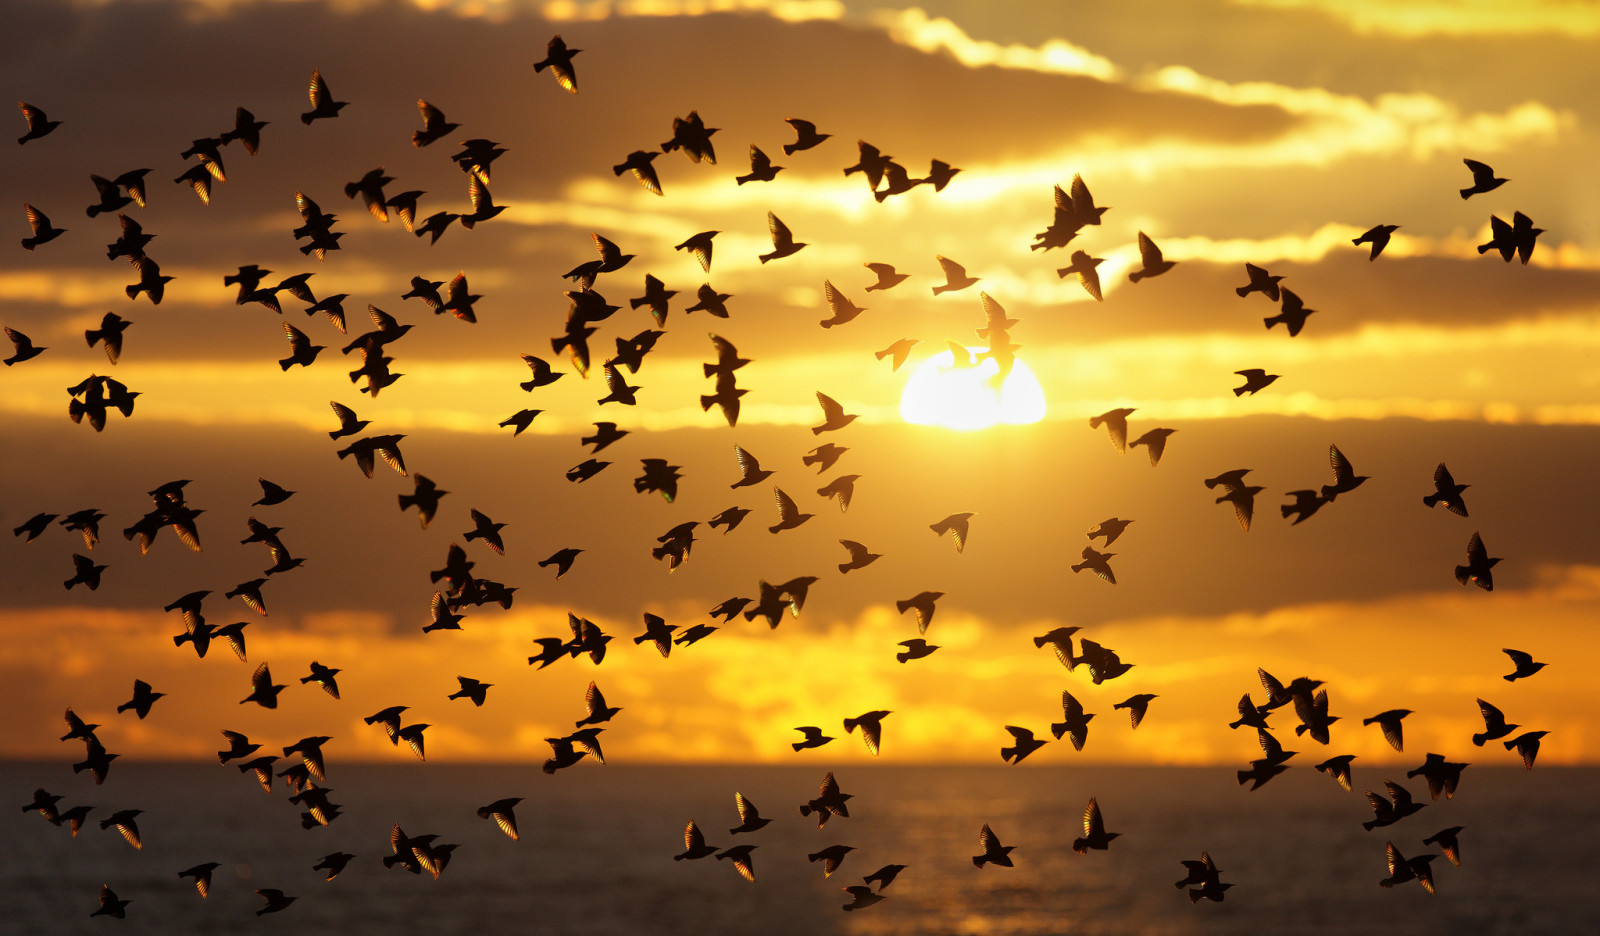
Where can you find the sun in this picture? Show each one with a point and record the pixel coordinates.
(966, 398)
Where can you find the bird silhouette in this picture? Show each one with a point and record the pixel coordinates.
(1441, 775)
(1479, 563)
(1254, 379)
(263, 692)
(43, 230)
(1526, 745)
(322, 103)
(831, 857)
(710, 301)
(761, 167)
(871, 724)
(324, 677)
(38, 125)
(276, 900)
(806, 136)
(558, 58)
(1378, 236)
(888, 277)
(841, 308)
(860, 556)
(923, 604)
(1136, 705)
(1522, 662)
(471, 689)
(1260, 281)
(1023, 744)
(813, 738)
(1483, 179)
(1495, 725)
(993, 851)
(1096, 562)
(1388, 811)
(1156, 442)
(871, 163)
(110, 904)
(1338, 767)
(955, 276)
(1150, 256)
(434, 125)
(958, 525)
(1306, 502)
(1116, 423)
(1083, 267)
(1345, 478)
(833, 415)
(1292, 313)
(915, 649)
(1447, 492)
(783, 242)
(1389, 721)
(691, 135)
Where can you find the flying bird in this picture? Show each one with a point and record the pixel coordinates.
(871, 724)
(38, 125)
(1389, 721)
(1083, 267)
(806, 136)
(1483, 179)
(322, 103)
(955, 276)
(1292, 313)
(923, 604)
(1156, 442)
(783, 242)
(263, 692)
(1446, 491)
(887, 276)
(1523, 662)
(1116, 423)
(1388, 811)
(1345, 478)
(1479, 563)
(833, 415)
(1136, 705)
(957, 525)
(1260, 281)
(1254, 379)
(1526, 745)
(898, 351)
(993, 851)
(558, 58)
(43, 230)
(143, 698)
(915, 649)
(1150, 256)
(1023, 744)
(1110, 529)
(1096, 562)
(1378, 236)
(841, 308)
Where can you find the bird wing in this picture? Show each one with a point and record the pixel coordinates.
(987, 840)
(749, 467)
(593, 701)
(1342, 472)
(693, 840)
(781, 237)
(1093, 825)
(318, 90)
(1399, 794)
(1148, 251)
(953, 271)
(747, 809)
(261, 678)
(1476, 555)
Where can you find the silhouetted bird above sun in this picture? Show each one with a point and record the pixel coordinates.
(692, 136)
(841, 309)
(1483, 179)
(833, 415)
(887, 276)
(871, 163)
(898, 351)
(860, 556)
(761, 167)
(1447, 492)
(1495, 726)
(915, 649)
(783, 242)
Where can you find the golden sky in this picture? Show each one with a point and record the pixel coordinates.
(1268, 132)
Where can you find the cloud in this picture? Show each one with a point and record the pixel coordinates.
(789, 11)
(915, 28)
(1458, 18)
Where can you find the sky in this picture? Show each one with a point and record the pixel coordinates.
(1270, 132)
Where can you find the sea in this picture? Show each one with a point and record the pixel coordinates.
(597, 842)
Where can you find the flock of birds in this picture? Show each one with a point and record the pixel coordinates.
(458, 587)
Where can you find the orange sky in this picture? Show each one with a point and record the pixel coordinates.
(1222, 150)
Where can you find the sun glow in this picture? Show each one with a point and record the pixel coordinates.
(940, 393)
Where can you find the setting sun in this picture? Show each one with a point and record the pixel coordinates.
(941, 394)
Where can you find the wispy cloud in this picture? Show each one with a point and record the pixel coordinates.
(915, 28)
(1420, 18)
(791, 11)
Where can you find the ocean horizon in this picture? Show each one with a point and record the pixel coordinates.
(597, 846)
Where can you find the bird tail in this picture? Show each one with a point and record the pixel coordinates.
(978, 861)
(1463, 574)
(1466, 193)
(1242, 291)
(1430, 499)
(1478, 739)
(1239, 392)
